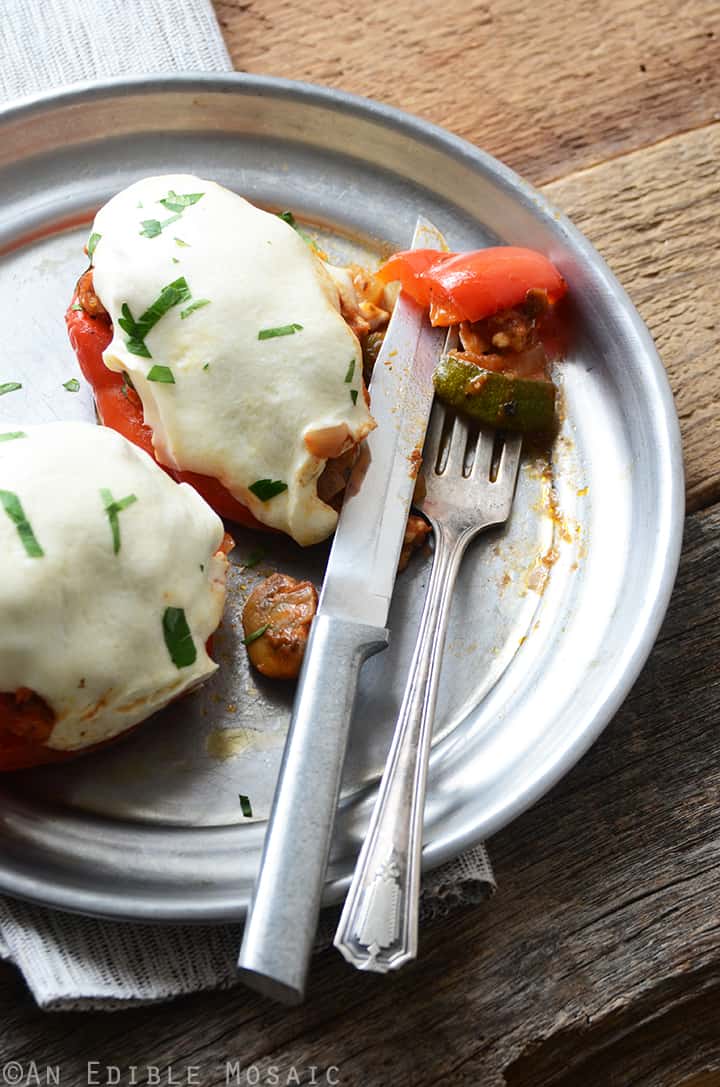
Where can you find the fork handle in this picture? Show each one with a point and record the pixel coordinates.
(378, 928)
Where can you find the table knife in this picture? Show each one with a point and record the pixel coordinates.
(349, 627)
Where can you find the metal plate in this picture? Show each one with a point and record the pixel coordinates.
(540, 656)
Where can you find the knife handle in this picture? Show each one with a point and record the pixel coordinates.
(282, 919)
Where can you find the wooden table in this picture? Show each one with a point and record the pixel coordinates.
(598, 962)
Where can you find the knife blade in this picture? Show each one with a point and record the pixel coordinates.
(349, 627)
(363, 561)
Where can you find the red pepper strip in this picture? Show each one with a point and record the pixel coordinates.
(471, 286)
(407, 269)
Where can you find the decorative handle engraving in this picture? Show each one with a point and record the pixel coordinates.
(378, 925)
(378, 922)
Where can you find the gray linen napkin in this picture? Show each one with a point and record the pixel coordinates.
(81, 962)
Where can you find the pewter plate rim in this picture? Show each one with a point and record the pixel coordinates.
(190, 903)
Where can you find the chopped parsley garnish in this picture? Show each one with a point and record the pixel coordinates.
(10, 387)
(350, 372)
(126, 384)
(175, 260)
(353, 395)
(178, 202)
(72, 385)
(136, 346)
(254, 558)
(193, 306)
(77, 308)
(163, 374)
(173, 295)
(245, 805)
(265, 489)
(135, 343)
(182, 244)
(92, 244)
(176, 292)
(178, 638)
(206, 366)
(289, 218)
(10, 435)
(175, 202)
(112, 509)
(151, 228)
(281, 330)
(256, 634)
(13, 508)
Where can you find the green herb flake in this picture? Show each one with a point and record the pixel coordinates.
(162, 374)
(350, 372)
(282, 330)
(175, 260)
(10, 387)
(126, 384)
(289, 218)
(136, 346)
(178, 202)
(174, 294)
(256, 634)
(72, 385)
(13, 508)
(354, 395)
(11, 435)
(245, 805)
(206, 366)
(254, 558)
(92, 244)
(178, 638)
(265, 489)
(182, 244)
(112, 509)
(175, 202)
(150, 228)
(193, 306)
(77, 308)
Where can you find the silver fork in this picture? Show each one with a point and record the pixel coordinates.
(470, 487)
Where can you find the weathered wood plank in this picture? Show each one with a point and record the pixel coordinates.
(595, 964)
(652, 213)
(546, 87)
(654, 216)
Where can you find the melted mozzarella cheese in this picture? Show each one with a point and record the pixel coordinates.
(82, 625)
(243, 407)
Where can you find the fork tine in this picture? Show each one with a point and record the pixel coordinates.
(483, 454)
(457, 445)
(433, 437)
(509, 464)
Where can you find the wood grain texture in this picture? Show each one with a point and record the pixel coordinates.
(547, 87)
(595, 965)
(653, 214)
(598, 963)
